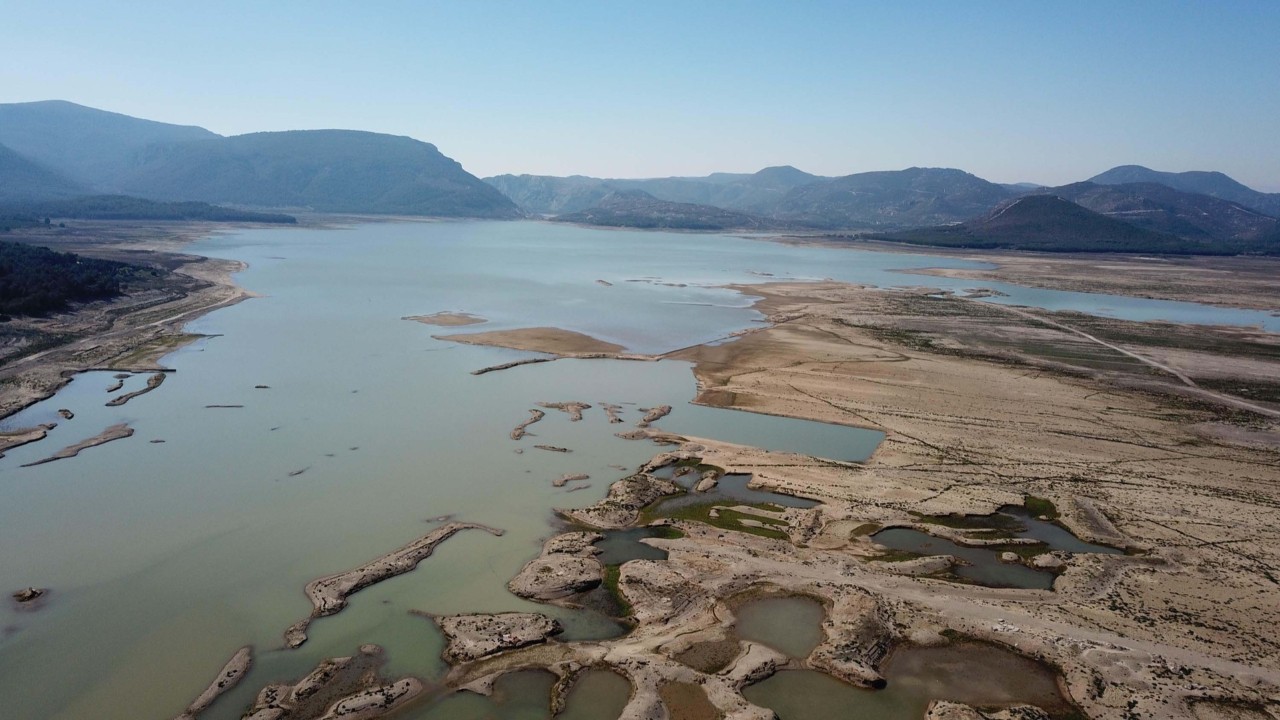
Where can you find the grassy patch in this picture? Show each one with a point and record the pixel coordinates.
(864, 529)
(1040, 507)
(612, 574)
(893, 556)
(1259, 390)
(666, 532)
(727, 520)
(994, 521)
(699, 466)
(1025, 551)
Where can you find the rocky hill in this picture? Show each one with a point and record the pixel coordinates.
(1213, 184)
(639, 209)
(1053, 224)
(903, 198)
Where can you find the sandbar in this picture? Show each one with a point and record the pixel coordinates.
(447, 319)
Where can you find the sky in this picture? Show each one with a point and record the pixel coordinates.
(1047, 92)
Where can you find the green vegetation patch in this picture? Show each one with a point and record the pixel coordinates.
(892, 556)
(36, 281)
(726, 519)
(612, 576)
(1040, 507)
(995, 521)
(864, 529)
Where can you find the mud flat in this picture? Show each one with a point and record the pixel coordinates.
(519, 430)
(17, 438)
(1225, 281)
(153, 382)
(653, 415)
(982, 408)
(114, 432)
(568, 478)
(979, 404)
(228, 677)
(573, 408)
(509, 365)
(555, 341)
(612, 411)
(447, 319)
(329, 594)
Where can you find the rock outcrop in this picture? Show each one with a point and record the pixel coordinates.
(472, 637)
(566, 567)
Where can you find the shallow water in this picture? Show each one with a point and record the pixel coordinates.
(163, 558)
(974, 674)
(1055, 536)
(984, 565)
(524, 695)
(790, 625)
(619, 546)
(730, 489)
(597, 695)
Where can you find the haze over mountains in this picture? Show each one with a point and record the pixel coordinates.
(321, 170)
(58, 151)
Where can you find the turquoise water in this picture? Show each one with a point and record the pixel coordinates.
(163, 558)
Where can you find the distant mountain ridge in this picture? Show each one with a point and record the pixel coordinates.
(22, 179)
(783, 194)
(87, 145)
(639, 209)
(752, 193)
(1213, 184)
(324, 170)
(895, 198)
(1045, 222)
(1163, 209)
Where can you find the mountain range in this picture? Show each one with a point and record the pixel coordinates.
(321, 170)
(1213, 184)
(1046, 222)
(639, 209)
(60, 151)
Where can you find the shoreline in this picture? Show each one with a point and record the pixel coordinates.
(132, 332)
(974, 422)
(970, 425)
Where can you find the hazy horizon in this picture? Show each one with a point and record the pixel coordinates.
(1023, 93)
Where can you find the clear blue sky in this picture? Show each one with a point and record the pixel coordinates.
(1049, 92)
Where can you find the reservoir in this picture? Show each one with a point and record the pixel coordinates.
(165, 557)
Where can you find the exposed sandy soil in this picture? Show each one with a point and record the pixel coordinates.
(114, 432)
(540, 339)
(981, 407)
(1231, 282)
(447, 319)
